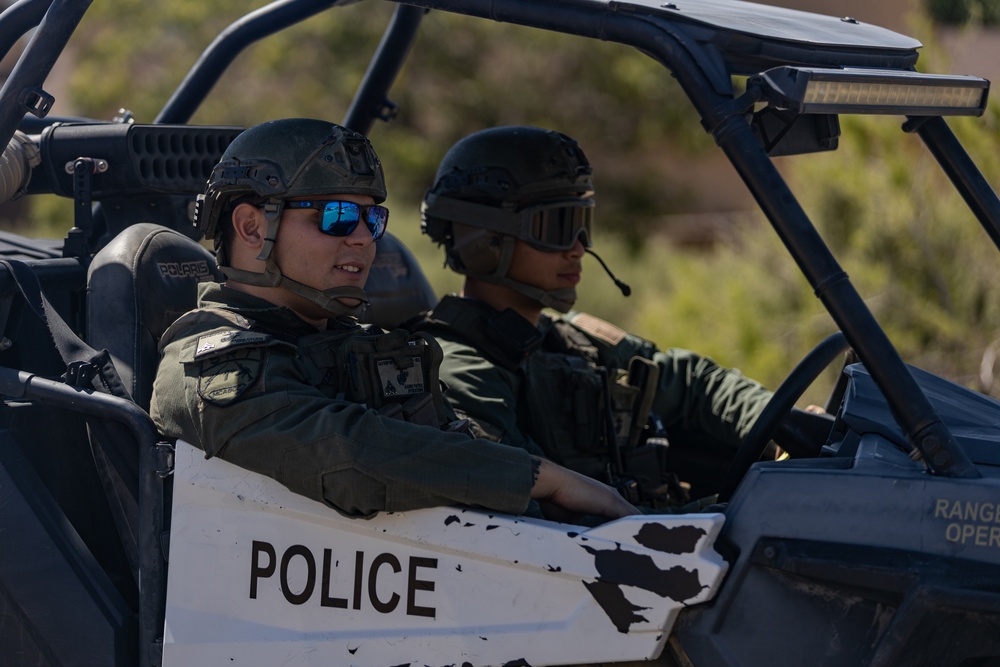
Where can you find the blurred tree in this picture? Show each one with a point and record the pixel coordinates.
(960, 12)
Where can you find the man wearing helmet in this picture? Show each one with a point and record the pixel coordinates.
(512, 207)
(273, 373)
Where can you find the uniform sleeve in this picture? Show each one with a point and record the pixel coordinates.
(697, 394)
(334, 451)
(485, 393)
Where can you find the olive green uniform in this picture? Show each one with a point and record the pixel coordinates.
(542, 388)
(250, 382)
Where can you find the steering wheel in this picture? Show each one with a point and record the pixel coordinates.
(778, 409)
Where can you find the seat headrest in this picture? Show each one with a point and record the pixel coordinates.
(396, 285)
(137, 285)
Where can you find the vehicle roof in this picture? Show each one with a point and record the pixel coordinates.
(749, 36)
(767, 22)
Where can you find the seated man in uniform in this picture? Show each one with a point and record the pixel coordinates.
(512, 207)
(273, 373)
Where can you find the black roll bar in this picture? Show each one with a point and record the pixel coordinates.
(153, 467)
(956, 163)
(22, 92)
(18, 19)
(214, 60)
(910, 407)
(371, 102)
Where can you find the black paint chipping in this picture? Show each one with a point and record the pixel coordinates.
(676, 540)
(621, 612)
(631, 569)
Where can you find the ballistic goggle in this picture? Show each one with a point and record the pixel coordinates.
(553, 225)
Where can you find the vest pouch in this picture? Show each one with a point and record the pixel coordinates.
(565, 405)
(624, 397)
(325, 364)
(587, 392)
(632, 399)
(419, 409)
(396, 368)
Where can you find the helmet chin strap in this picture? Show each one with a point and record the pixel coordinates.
(329, 301)
(560, 300)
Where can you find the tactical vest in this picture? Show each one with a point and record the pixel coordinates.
(395, 373)
(583, 415)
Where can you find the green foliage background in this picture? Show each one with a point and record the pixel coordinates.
(913, 250)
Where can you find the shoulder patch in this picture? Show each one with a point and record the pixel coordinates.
(220, 342)
(599, 329)
(223, 379)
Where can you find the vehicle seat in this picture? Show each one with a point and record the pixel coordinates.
(137, 285)
(148, 275)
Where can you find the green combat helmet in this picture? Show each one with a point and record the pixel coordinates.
(278, 160)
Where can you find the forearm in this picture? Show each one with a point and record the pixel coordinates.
(577, 493)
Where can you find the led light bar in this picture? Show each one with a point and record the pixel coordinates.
(812, 90)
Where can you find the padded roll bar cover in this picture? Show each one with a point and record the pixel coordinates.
(137, 285)
(397, 287)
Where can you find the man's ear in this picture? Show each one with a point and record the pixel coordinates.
(249, 226)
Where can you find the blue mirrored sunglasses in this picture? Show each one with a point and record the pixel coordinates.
(340, 218)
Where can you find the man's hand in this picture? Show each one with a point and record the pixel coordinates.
(578, 493)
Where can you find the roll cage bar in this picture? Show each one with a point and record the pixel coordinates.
(704, 44)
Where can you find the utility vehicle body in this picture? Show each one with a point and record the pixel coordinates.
(878, 545)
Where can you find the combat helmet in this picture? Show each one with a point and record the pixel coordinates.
(278, 160)
(507, 183)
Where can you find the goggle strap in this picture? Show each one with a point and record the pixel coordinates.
(486, 217)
